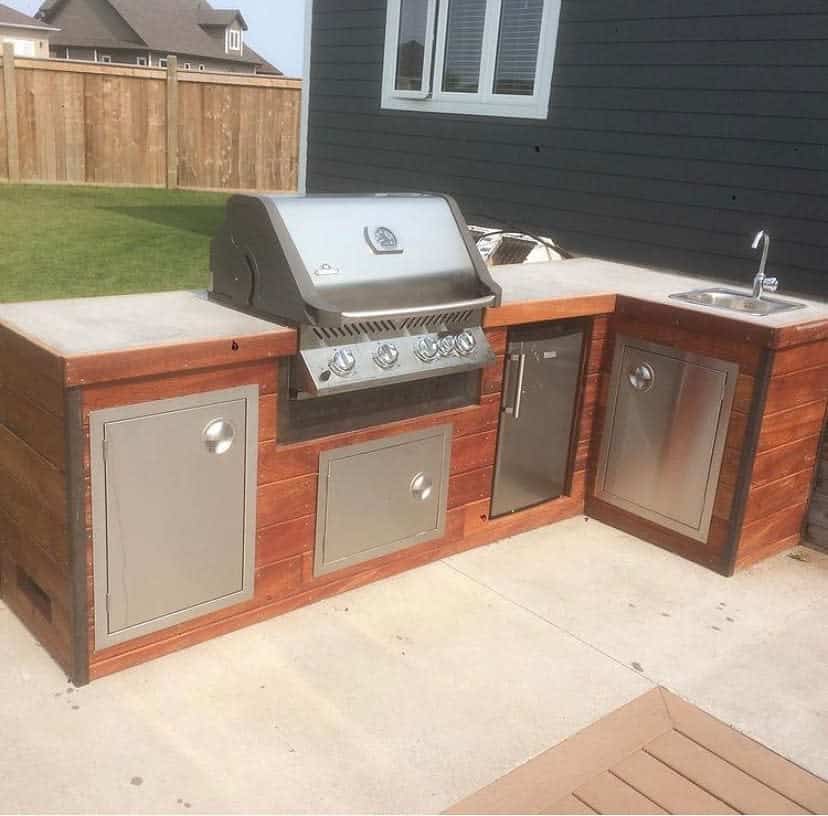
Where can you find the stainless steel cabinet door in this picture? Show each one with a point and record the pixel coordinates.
(539, 395)
(173, 514)
(381, 496)
(665, 435)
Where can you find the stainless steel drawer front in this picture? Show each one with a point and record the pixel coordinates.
(665, 434)
(381, 496)
(173, 510)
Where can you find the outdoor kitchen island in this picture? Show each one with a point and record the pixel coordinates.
(64, 363)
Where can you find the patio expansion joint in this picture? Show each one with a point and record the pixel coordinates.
(551, 623)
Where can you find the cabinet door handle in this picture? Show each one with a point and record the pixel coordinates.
(218, 436)
(422, 486)
(642, 377)
(519, 393)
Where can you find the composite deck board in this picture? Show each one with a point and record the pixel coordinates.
(569, 804)
(666, 787)
(723, 780)
(657, 754)
(609, 793)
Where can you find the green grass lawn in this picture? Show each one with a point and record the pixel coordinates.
(58, 242)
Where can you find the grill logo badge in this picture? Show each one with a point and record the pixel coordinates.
(383, 240)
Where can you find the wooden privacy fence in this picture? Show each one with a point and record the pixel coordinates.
(87, 123)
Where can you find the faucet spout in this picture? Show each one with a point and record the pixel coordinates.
(759, 281)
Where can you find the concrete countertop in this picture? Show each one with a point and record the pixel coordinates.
(581, 286)
(101, 325)
(581, 278)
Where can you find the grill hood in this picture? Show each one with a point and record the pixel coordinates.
(330, 260)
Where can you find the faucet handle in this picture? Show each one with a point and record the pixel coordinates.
(770, 285)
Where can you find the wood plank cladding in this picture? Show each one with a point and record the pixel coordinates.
(35, 551)
(788, 447)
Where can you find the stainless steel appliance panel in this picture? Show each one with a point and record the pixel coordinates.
(537, 413)
(665, 434)
(173, 510)
(381, 496)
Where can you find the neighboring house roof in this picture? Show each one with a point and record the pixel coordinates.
(14, 19)
(167, 26)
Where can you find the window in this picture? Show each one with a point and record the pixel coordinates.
(22, 48)
(141, 61)
(484, 57)
(201, 68)
(188, 66)
(106, 58)
(162, 62)
(234, 39)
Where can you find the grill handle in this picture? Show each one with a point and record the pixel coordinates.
(459, 305)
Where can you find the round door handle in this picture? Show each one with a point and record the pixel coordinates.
(422, 486)
(642, 377)
(218, 436)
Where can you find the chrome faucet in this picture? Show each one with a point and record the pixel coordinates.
(762, 283)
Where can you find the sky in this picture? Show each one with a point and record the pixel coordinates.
(277, 28)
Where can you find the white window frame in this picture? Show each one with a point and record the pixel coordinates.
(188, 66)
(485, 102)
(202, 67)
(106, 59)
(234, 35)
(163, 62)
(141, 62)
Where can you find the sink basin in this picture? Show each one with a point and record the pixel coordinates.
(736, 301)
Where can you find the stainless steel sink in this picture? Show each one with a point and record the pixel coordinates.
(736, 301)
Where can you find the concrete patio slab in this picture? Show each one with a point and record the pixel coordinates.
(746, 648)
(409, 694)
(401, 696)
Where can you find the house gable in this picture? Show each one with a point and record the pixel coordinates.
(89, 22)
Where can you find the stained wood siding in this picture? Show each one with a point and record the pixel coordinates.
(82, 123)
(676, 130)
(35, 551)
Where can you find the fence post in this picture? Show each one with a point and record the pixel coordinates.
(10, 90)
(172, 122)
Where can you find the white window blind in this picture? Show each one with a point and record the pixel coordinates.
(464, 45)
(517, 48)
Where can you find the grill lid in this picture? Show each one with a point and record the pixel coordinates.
(328, 260)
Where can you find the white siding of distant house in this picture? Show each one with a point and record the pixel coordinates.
(27, 43)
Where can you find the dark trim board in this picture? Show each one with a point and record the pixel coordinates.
(675, 132)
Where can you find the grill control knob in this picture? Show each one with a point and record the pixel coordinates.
(386, 355)
(466, 343)
(447, 345)
(427, 349)
(343, 362)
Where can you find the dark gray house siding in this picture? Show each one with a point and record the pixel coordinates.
(676, 130)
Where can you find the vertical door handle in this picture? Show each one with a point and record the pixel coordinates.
(520, 359)
(519, 394)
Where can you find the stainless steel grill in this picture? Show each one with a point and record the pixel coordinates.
(383, 288)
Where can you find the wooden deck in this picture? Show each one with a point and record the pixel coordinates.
(657, 754)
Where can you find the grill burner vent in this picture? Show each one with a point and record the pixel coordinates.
(378, 327)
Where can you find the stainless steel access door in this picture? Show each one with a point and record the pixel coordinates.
(665, 434)
(173, 510)
(381, 496)
(543, 366)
